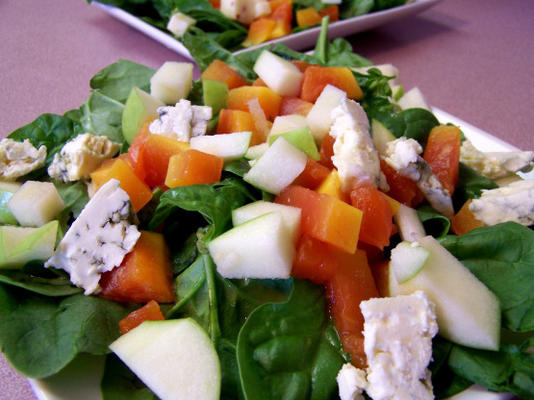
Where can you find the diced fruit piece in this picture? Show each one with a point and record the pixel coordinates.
(220, 71)
(35, 203)
(332, 11)
(381, 136)
(410, 226)
(401, 188)
(377, 220)
(283, 15)
(284, 123)
(326, 151)
(172, 82)
(193, 167)
(351, 284)
(262, 125)
(214, 94)
(136, 152)
(179, 23)
(468, 312)
(256, 151)
(175, 358)
(238, 121)
(279, 74)
(229, 147)
(300, 138)
(19, 245)
(413, 98)
(261, 248)
(259, 31)
(308, 17)
(319, 118)
(145, 273)
(157, 151)
(316, 77)
(6, 191)
(294, 105)
(274, 4)
(149, 312)
(407, 259)
(332, 186)
(314, 260)
(238, 99)
(464, 220)
(442, 153)
(313, 175)
(140, 107)
(290, 215)
(277, 167)
(138, 191)
(324, 217)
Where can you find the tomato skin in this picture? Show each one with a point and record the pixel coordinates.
(442, 153)
(377, 219)
(314, 260)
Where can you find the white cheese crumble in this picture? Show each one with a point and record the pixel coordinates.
(81, 156)
(514, 202)
(355, 156)
(495, 165)
(98, 239)
(351, 382)
(403, 155)
(182, 121)
(19, 158)
(398, 334)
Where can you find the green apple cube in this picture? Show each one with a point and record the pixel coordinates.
(230, 146)
(175, 358)
(6, 191)
(413, 98)
(36, 203)
(284, 123)
(319, 118)
(179, 23)
(407, 259)
(381, 136)
(290, 215)
(261, 248)
(256, 151)
(280, 75)
(214, 94)
(300, 138)
(140, 107)
(172, 82)
(468, 312)
(277, 167)
(19, 245)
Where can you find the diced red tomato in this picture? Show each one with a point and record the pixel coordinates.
(149, 312)
(401, 188)
(312, 176)
(327, 151)
(313, 260)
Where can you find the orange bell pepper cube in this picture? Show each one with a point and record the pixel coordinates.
(270, 101)
(259, 31)
(283, 16)
(220, 71)
(149, 312)
(145, 273)
(316, 77)
(442, 153)
(464, 220)
(238, 121)
(308, 17)
(193, 167)
(324, 217)
(117, 168)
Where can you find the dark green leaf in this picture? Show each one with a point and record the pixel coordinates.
(435, 224)
(101, 115)
(354, 8)
(119, 383)
(470, 185)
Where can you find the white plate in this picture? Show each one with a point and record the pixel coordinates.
(297, 41)
(81, 379)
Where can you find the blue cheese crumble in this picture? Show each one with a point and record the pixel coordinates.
(98, 239)
(81, 156)
(19, 158)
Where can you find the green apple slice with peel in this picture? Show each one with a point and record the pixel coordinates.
(407, 259)
(381, 136)
(261, 248)
(468, 312)
(139, 108)
(172, 82)
(256, 151)
(300, 138)
(277, 167)
(19, 245)
(175, 358)
(290, 215)
(284, 123)
(6, 191)
(230, 146)
(280, 75)
(214, 94)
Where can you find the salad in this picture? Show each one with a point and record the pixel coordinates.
(241, 24)
(281, 337)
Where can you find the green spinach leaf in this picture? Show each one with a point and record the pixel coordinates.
(354, 8)
(102, 115)
(119, 383)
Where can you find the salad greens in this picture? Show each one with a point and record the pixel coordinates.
(213, 24)
(274, 338)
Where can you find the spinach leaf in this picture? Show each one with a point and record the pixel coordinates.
(54, 330)
(470, 185)
(117, 80)
(119, 383)
(55, 283)
(435, 224)
(284, 347)
(354, 8)
(384, 4)
(502, 257)
(102, 115)
(50, 130)
(414, 123)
